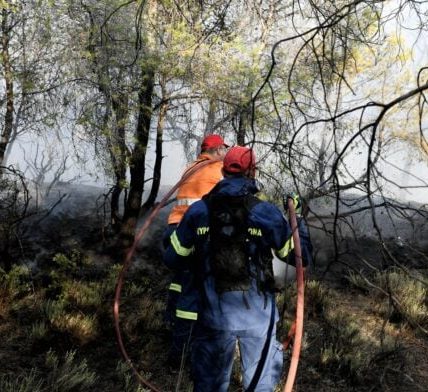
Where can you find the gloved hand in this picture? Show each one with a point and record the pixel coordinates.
(296, 202)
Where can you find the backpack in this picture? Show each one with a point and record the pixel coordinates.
(228, 240)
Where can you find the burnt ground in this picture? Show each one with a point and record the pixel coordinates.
(353, 340)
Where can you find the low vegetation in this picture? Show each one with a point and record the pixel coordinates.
(57, 330)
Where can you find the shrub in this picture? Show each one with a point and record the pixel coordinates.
(82, 293)
(317, 298)
(21, 383)
(16, 282)
(69, 375)
(408, 291)
(38, 330)
(61, 377)
(82, 327)
(342, 346)
(71, 261)
(54, 309)
(410, 294)
(357, 280)
(129, 380)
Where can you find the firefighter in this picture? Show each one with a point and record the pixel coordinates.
(181, 310)
(226, 241)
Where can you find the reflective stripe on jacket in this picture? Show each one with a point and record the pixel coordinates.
(196, 186)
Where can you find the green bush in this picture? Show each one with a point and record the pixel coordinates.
(83, 327)
(129, 380)
(342, 346)
(70, 262)
(68, 375)
(408, 291)
(410, 294)
(38, 330)
(83, 293)
(16, 282)
(30, 382)
(317, 298)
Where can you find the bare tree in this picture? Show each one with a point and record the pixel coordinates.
(31, 70)
(46, 168)
(333, 131)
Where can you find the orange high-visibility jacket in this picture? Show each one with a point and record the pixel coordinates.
(196, 186)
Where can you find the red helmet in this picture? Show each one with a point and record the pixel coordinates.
(212, 141)
(240, 160)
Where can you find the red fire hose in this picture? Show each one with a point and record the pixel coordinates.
(300, 301)
(128, 259)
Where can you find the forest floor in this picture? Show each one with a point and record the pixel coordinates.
(348, 345)
(57, 328)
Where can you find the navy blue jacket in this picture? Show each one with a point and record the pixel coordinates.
(268, 229)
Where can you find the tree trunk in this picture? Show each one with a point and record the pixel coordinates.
(8, 77)
(158, 160)
(321, 163)
(138, 161)
(117, 149)
(116, 142)
(244, 121)
(212, 107)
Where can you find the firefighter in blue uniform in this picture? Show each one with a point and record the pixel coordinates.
(229, 236)
(181, 311)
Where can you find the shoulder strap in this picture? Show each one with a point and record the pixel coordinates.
(193, 164)
(251, 201)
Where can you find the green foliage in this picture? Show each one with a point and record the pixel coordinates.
(129, 381)
(407, 290)
(69, 289)
(69, 263)
(62, 315)
(68, 311)
(316, 297)
(83, 294)
(53, 309)
(357, 280)
(410, 293)
(342, 346)
(16, 282)
(113, 273)
(70, 374)
(9, 4)
(39, 330)
(134, 289)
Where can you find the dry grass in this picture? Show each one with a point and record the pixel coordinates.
(67, 374)
(348, 344)
(409, 294)
(402, 295)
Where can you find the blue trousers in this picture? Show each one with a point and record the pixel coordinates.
(181, 328)
(181, 341)
(213, 353)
